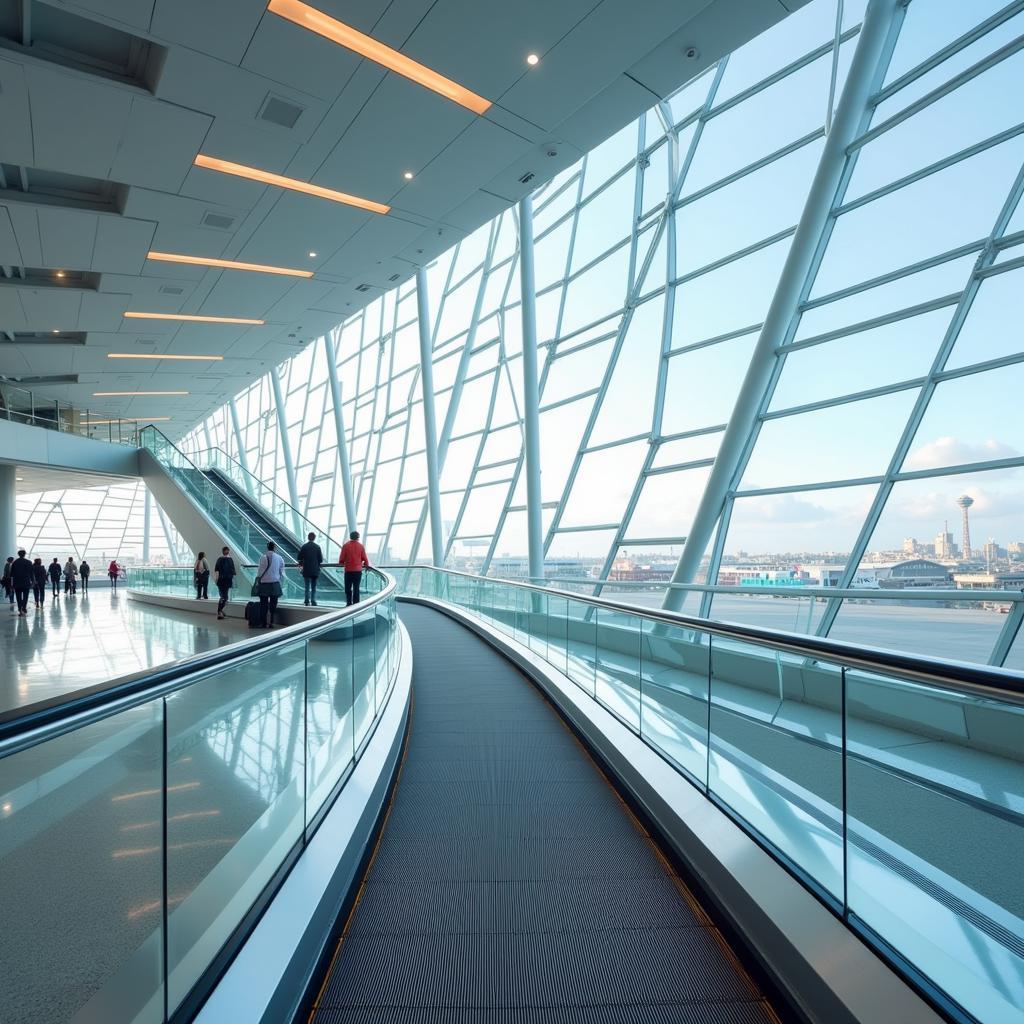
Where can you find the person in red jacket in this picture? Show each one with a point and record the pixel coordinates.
(353, 558)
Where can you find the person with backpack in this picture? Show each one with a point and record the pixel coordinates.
(353, 558)
(21, 578)
(310, 560)
(268, 583)
(55, 574)
(84, 569)
(201, 577)
(70, 576)
(39, 577)
(224, 575)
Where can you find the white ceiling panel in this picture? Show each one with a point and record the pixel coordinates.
(133, 14)
(159, 143)
(221, 28)
(102, 311)
(255, 294)
(67, 237)
(12, 313)
(77, 121)
(10, 253)
(26, 231)
(15, 119)
(121, 244)
(50, 309)
(376, 241)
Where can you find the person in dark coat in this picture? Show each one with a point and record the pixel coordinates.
(8, 583)
(55, 574)
(39, 582)
(21, 575)
(224, 573)
(310, 560)
(84, 569)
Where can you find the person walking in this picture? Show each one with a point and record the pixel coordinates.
(353, 558)
(21, 577)
(224, 574)
(201, 577)
(55, 574)
(8, 583)
(113, 571)
(268, 583)
(310, 560)
(39, 577)
(83, 570)
(70, 576)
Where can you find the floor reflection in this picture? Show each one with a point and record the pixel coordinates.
(73, 642)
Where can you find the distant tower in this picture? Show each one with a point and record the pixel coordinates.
(965, 501)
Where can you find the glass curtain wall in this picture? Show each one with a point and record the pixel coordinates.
(657, 258)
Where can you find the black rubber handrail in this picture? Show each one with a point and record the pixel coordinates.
(27, 726)
(977, 680)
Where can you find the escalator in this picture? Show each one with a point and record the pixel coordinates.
(330, 587)
(511, 882)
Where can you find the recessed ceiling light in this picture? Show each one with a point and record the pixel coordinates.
(60, 273)
(19, 479)
(55, 332)
(408, 175)
(255, 174)
(151, 355)
(312, 255)
(127, 394)
(532, 59)
(366, 46)
(206, 261)
(130, 315)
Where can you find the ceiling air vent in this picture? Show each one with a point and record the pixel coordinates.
(217, 220)
(527, 178)
(394, 277)
(278, 111)
(363, 287)
(168, 289)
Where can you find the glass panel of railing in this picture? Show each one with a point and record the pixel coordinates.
(935, 803)
(557, 632)
(581, 628)
(329, 712)
(82, 874)
(959, 628)
(235, 780)
(676, 664)
(617, 677)
(363, 665)
(776, 753)
(796, 613)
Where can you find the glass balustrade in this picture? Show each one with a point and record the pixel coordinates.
(899, 802)
(134, 844)
(19, 405)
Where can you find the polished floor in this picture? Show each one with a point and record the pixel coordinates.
(79, 641)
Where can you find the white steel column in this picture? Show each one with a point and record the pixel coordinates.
(8, 512)
(531, 391)
(429, 418)
(286, 447)
(236, 429)
(869, 60)
(339, 429)
(146, 521)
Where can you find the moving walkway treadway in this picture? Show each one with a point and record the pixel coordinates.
(511, 882)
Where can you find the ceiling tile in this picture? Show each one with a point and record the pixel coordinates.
(15, 117)
(222, 28)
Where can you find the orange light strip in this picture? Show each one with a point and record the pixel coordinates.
(213, 163)
(192, 319)
(130, 394)
(153, 355)
(127, 419)
(206, 261)
(366, 46)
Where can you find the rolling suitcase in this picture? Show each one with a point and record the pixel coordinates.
(253, 616)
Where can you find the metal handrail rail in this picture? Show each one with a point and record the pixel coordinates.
(20, 730)
(978, 680)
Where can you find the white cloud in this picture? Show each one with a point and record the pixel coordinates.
(951, 451)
